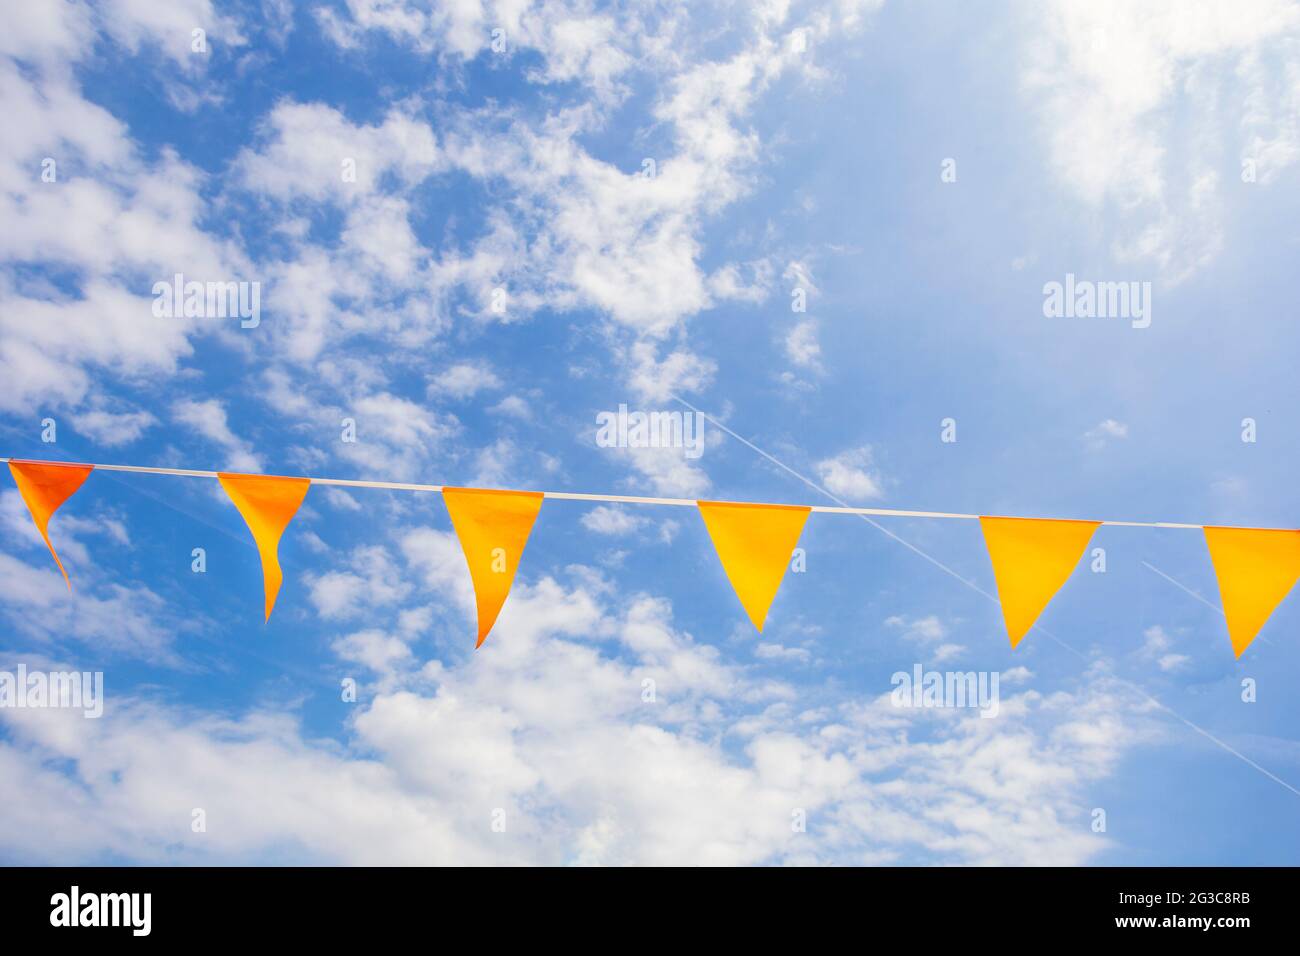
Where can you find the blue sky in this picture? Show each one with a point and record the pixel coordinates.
(794, 146)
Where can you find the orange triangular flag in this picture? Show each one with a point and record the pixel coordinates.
(45, 486)
(268, 503)
(1032, 558)
(754, 543)
(493, 527)
(1256, 568)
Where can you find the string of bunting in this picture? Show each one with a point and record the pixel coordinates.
(1032, 558)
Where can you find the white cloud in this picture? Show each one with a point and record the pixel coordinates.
(464, 380)
(928, 632)
(341, 499)
(1110, 77)
(606, 519)
(109, 215)
(734, 283)
(601, 236)
(668, 471)
(112, 429)
(1157, 644)
(128, 621)
(169, 25)
(849, 475)
(369, 580)
(395, 436)
(208, 418)
(771, 651)
(1156, 640)
(925, 629)
(495, 464)
(311, 150)
(374, 649)
(798, 275)
(573, 42)
(802, 347)
(1174, 662)
(514, 407)
(557, 734)
(65, 531)
(656, 379)
(1099, 435)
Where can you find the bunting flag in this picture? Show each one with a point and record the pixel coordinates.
(1032, 558)
(493, 528)
(754, 543)
(1256, 568)
(44, 488)
(268, 503)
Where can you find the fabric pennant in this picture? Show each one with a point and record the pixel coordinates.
(1256, 568)
(44, 487)
(492, 527)
(754, 543)
(268, 503)
(1032, 558)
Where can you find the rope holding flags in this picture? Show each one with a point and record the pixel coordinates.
(1032, 558)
